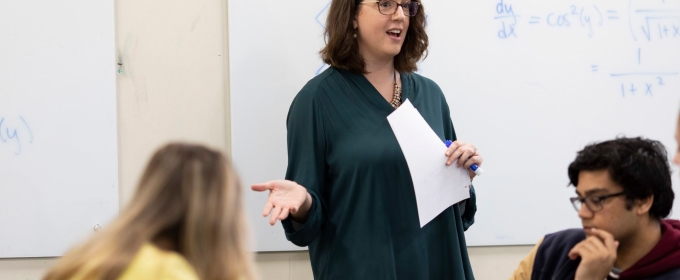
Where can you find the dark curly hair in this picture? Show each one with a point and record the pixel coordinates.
(640, 166)
(342, 50)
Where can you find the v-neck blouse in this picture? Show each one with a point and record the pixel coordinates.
(363, 223)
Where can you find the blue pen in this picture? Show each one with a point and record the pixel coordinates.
(474, 167)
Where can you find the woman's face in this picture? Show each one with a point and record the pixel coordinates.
(379, 36)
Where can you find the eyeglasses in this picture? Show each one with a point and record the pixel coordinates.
(594, 203)
(389, 7)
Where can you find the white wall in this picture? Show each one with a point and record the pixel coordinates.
(173, 85)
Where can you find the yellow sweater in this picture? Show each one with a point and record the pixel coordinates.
(526, 266)
(155, 264)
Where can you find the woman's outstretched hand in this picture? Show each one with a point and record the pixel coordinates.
(285, 198)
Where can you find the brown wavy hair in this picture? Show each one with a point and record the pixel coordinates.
(342, 50)
(188, 195)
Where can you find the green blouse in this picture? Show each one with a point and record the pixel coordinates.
(363, 223)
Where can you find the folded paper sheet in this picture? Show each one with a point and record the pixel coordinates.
(437, 186)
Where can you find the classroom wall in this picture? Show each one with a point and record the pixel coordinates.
(173, 85)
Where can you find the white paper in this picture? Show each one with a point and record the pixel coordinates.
(437, 186)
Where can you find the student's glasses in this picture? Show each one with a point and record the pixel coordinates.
(389, 7)
(594, 203)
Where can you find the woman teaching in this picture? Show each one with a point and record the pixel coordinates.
(348, 194)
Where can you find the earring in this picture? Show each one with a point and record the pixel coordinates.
(355, 33)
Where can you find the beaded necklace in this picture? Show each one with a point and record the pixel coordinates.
(396, 98)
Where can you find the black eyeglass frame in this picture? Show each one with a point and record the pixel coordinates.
(595, 200)
(404, 6)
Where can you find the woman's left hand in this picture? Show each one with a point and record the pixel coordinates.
(466, 154)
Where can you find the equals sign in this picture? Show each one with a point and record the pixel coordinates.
(613, 14)
(534, 20)
(594, 68)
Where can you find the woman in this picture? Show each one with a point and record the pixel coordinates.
(184, 222)
(357, 210)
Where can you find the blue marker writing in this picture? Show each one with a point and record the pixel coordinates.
(474, 167)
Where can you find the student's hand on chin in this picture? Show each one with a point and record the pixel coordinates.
(598, 254)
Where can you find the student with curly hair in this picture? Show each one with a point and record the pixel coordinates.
(623, 196)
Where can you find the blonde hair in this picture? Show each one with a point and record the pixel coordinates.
(189, 195)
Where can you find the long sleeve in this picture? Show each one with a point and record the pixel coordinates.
(306, 163)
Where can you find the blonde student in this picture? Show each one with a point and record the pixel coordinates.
(185, 221)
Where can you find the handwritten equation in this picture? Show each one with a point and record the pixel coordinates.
(14, 132)
(571, 16)
(646, 21)
(652, 22)
(656, 24)
(644, 88)
(640, 82)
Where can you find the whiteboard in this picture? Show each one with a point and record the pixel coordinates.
(528, 82)
(58, 145)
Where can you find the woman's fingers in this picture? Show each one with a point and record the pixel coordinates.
(453, 147)
(262, 186)
(460, 151)
(284, 214)
(454, 156)
(283, 198)
(476, 159)
(293, 210)
(275, 214)
(454, 151)
(465, 156)
(267, 208)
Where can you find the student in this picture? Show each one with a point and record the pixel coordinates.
(623, 194)
(350, 192)
(185, 221)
